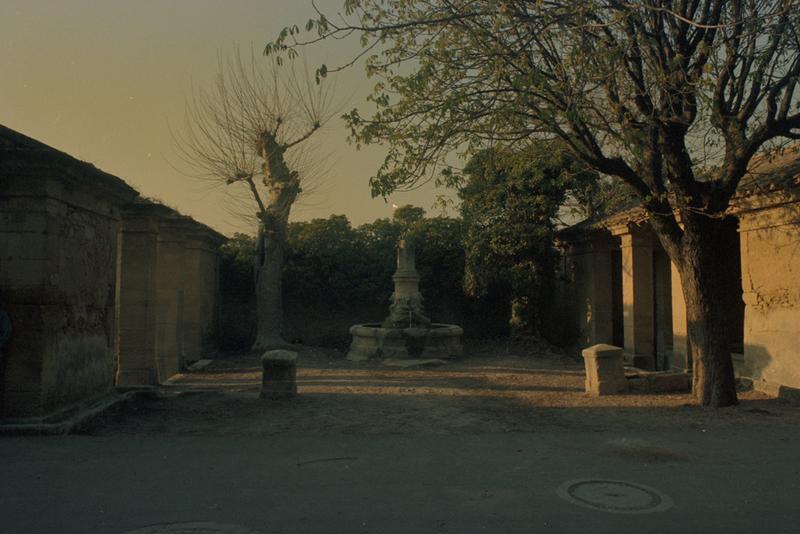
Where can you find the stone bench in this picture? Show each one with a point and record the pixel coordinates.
(279, 378)
(605, 373)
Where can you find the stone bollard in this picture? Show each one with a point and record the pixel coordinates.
(605, 374)
(279, 379)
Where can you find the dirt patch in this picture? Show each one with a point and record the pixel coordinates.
(498, 388)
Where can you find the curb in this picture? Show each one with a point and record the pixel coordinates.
(83, 417)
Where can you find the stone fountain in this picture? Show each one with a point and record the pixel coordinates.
(407, 332)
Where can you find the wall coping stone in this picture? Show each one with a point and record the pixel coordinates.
(40, 162)
(602, 351)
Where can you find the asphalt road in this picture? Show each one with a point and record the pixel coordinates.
(444, 484)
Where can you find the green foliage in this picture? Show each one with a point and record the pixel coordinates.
(237, 292)
(379, 250)
(333, 268)
(328, 262)
(236, 264)
(239, 250)
(510, 201)
(325, 264)
(438, 242)
(407, 216)
(667, 97)
(596, 199)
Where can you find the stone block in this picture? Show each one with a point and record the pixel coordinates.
(605, 374)
(279, 379)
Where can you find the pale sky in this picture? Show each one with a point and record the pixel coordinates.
(105, 80)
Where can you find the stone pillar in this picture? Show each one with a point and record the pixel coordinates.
(138, 295)
(605, 374)
(194, 296)
(170, 297)
(279, 379)
(637, 298)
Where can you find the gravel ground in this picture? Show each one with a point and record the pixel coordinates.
(498, 387)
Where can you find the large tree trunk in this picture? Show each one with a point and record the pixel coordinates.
(284, 186)
(269, 292)
(707, 287)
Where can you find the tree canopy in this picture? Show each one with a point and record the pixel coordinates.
(673, 97)
(331, 263)
(648, 91)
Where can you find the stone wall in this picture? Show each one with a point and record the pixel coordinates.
(58, 256)
(168, 293)
(761, 270)
(770, 247)
(99, 283)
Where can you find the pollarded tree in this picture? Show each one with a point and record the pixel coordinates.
(674, 97)
(249, 131)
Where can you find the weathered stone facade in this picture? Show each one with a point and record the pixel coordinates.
(168, 293)
(59, 236)
(621, 283)
(622, 290)
(65, 241)
(769, 227)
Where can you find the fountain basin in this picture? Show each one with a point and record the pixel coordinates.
(372, 341)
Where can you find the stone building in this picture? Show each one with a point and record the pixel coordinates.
(70, 267)
(619, 287)
(169, 293)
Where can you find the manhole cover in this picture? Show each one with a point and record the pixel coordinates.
(193, 528)
(616, 496)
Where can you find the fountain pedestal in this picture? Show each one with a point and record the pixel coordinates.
(406, 332)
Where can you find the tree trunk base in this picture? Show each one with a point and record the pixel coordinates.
(707, 289)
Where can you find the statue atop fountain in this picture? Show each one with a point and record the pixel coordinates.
(406, 332)
(406, 310)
